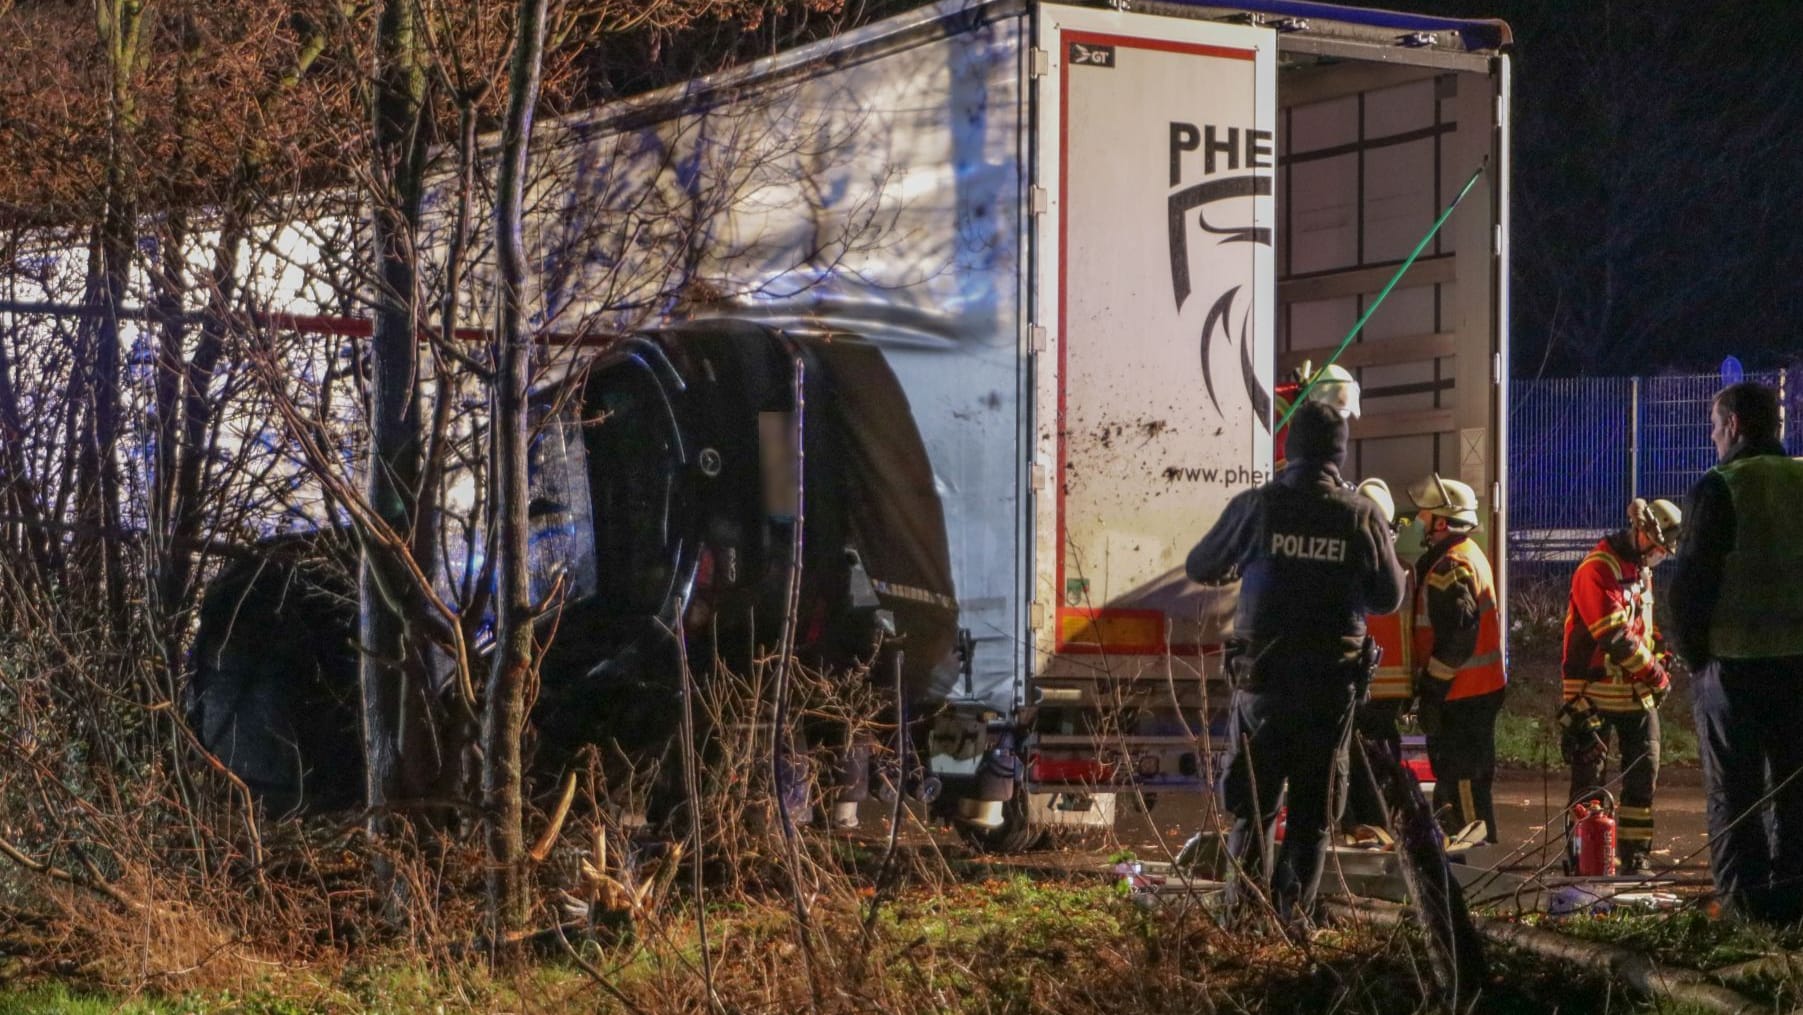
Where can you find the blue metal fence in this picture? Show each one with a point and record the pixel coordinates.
(1569, 443)
(1581, 448)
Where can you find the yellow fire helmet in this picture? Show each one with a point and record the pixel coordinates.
(1445, 498)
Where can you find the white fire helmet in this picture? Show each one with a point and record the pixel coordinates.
(1378, 492)
(1446, 498)
(1334, 386)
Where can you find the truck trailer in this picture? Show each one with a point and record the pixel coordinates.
(1086, 244)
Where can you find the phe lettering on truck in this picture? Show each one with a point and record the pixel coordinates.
(1321, 548)
(1225, 149)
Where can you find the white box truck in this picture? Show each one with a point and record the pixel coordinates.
(1089, 242)
(1107, 234)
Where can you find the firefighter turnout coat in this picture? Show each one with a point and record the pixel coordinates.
(1610, 640)
(1395, 676)
(1457, 629)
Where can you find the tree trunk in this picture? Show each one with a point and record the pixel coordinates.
(504, 713)
(28, 541)
(120, 26)
(399, 751)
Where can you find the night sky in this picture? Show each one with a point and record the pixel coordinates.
(1658, 173)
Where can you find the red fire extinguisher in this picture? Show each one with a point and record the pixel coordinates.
(1590, 827)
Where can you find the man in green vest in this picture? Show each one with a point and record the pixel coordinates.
(1737, 601)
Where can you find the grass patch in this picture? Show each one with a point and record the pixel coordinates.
(1690, 939)
(1007, 944)
(1526, 740)
(57, 999)
(1684, 938)
(1527, 733)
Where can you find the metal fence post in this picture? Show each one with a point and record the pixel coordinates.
(1634, 437)
(1783, 402)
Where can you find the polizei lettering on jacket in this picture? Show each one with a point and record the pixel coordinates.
(1322, 548)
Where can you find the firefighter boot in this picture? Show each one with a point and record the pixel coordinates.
(1637, 858)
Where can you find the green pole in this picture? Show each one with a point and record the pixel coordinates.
(1366, 316)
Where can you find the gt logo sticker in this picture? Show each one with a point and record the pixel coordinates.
(1092, 56)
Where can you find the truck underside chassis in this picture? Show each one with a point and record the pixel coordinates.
(731, 493)
(1063, 764)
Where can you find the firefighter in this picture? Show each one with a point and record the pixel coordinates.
(1313, 558)
(1457, 645)
(1614, 676)
(1334, 386)
(1737, 619)
(1378, 719)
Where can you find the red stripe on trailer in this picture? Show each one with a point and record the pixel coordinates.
(363, 327)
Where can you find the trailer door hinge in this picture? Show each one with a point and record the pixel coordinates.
(1496, 240)
(1036, 614)
(1496, 374)
(1036, 476)
(1036, 337)
(1036, 201)
(1039, 62)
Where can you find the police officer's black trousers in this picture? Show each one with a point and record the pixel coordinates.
(1637, 734)
(1379, 723)
(1463, 754)
(1289, 726)
(1749, 715)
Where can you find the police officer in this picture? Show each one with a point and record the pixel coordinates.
(1313, 558)
(1737, 618)
(1458, 649)
(1613, 676)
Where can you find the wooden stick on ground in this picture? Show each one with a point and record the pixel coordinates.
(1788, 965)
(1637, 970)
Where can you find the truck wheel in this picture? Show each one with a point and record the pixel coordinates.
(273, 689)
(1013, 835)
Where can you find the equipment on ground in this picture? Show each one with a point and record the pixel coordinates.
(1590, 835)
(1455, 950)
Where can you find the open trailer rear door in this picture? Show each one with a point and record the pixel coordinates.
(1156, 158)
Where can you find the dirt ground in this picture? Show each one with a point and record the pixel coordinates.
(1528, 811)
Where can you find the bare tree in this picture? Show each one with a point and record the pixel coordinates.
(121, 30)
(504, 712)
(399, 750)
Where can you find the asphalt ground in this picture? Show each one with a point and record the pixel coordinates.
(1530, 817)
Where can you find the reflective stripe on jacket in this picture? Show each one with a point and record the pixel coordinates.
(1609, 631)
(1482, 673)
(1759, 611)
